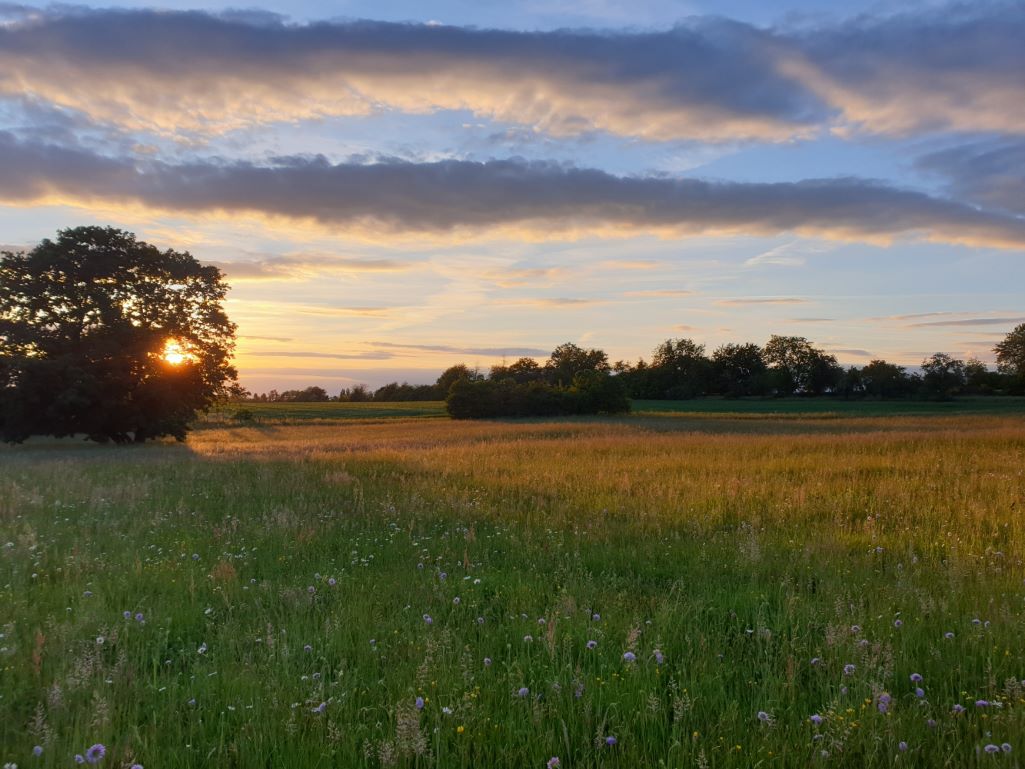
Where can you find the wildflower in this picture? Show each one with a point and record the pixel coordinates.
(456, 601)
(948, 635)
(487, 662)
(443, 576)
(541, 620)
(958, 708)
(87, 594)
(307, 648)
(192, 702)
(428, 620)
(373, 643)
(659, 657)
(629, 657)
(764, 717)
(136, 766)
(480, 620)
(37, 751)
(592, 644)
(460, 729)
(931, 723)
(611, 740)
(916, 678)
(523, 691)
(855, 629)
(99, 640)
(843, 690)
(320, 708)
(528, 638)
(553, 763)
(991, 748)
(815, 661)
(596, 617)
(902, 746)
(849, 669)
(95, 753)
(883, 702)
(920, 692)
(126, 614)
(446, 711)
(419, 703)
(982, 703)
(202, 648)
(898, 623)
(195, 556)
(79, 758)
(1006, 747)
(816, 719)
(139, 617)
(311, 590)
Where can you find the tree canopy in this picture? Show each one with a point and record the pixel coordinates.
(108, 336)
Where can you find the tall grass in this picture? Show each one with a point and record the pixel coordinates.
(298, 588)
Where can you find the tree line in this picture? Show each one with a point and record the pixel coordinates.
(680, 369)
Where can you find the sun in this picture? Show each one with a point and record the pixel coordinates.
(174, 354)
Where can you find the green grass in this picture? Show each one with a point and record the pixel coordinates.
(737, 557)
(290, 413)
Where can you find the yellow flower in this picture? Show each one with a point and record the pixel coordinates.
(460, 729)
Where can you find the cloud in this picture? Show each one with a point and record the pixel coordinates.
(193, 71)
(850, 351)
(559, 302)
(809, 320)
(314, 354)
(711, 79)
(266, 338)
(954, 67)
(459, 198)
(990, 172)
(1009, 322)
(760, 300)
(302, 267)
(660, 292)
(530, 352)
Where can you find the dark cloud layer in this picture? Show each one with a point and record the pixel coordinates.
(991, 172)
(463, 197)
(709, 79)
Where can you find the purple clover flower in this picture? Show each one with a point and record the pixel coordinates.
(816, 719)
(848, 669)
(629, 657)
(916, 678)
(523, 691)
(611, 740)
(553, 763)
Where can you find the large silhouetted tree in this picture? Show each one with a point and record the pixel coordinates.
(1011, 356)
(110, 337)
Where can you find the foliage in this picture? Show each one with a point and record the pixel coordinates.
(592, 392)
(84, 323)
(1011, 356)
(942, 375)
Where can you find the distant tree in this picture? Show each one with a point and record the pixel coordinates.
(450, 376)
(797, 366)
(356, 394)
(942, 376)
(1011, 356)
(107, 336)
(520, 371)
(886, 380)
(567, 360)
(739, 369)
(679, 369)
(312, 394)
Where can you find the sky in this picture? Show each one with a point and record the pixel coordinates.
(393, 188)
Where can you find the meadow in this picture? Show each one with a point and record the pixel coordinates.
(655, 590)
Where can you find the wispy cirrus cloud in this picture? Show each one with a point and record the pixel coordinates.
(303, 267)
(531, 352)
(757, 300)
(372, 355)
(1009, 322)
(455, 197)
